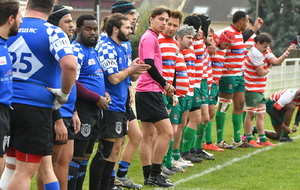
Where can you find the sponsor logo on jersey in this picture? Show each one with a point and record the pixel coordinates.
(3, 60)
(27, 30)
(91, 62)
(9, 73)
(241, 51)
(120, 60)
(108, 63)
(61, 42)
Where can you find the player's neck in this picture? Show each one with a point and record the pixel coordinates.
(4, 32)
(36, 14)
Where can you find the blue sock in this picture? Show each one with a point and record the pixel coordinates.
(52, 186)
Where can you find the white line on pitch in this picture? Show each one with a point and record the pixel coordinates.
(218, 167)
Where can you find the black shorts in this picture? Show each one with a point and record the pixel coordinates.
(150, 107)
(4, 130)
(89, 116)
(31, 129)
(68, 121)
(112, 125)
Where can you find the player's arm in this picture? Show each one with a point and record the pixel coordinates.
(277, 61)
(274, 114)
(153, 72)
(68, 66)
(261, 71)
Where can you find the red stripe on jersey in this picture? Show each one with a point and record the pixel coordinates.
(169, 51)
(217, 65)
(182, 79)
(199, 53)
(189, 57)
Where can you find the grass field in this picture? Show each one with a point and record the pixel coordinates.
(263, 168)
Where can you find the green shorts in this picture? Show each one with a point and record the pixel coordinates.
(189, 102)
(196, 100)
(252, 99)
(231, 84)
(204, 92)
(213, 94)
(168, 101)
(177, 111)
(269, 105)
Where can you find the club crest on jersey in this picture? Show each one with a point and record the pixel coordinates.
(91, 62)
(119, 127)
(3, 60)
(85, 129)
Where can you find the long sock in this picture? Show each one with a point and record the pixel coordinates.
(200, 135)
(98, 163)
(52, 186)
(244, 116)
(249, 137)
(81, 174)
(168, 161)
(187, 139)
(105, 181)
(208, 135)
(73, 173)
(283, 134)
(123, 168)
(237, 120)
(176, 154)
(263, 138)
(156, 169)
(112, 179)
(147, 171)
(220, 121)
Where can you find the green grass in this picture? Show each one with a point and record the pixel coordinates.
(243, 168)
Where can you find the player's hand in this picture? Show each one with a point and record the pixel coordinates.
(76, 122)
(138, 67)
(169, 89)
(257, 24)
(60, 131)
(286, 129)
(291, 48)
(175, 100)
(294, 129)
(60, 97)
(107, 96)
(103, 103)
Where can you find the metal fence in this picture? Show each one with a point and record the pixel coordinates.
(284, 76)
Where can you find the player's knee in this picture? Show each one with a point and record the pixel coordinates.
(104, 149)
(224, 104)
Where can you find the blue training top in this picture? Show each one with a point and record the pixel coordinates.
(6, 89)
(35, 52)
(113, 59)
(91, 73)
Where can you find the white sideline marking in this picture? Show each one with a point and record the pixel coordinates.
(218, 167)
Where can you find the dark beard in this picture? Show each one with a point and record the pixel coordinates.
(13, 30)
(86, 42)
(121, 36)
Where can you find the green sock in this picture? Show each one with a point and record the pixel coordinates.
(168, 157)
(263, 138)
(187, 138)
(220, 121)
(200, 135)
(244, 116)
(176, 154)
(283, 134)
(237, 120)
(208, 134)
(249, 137)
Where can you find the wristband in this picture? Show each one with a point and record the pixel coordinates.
(286, 53)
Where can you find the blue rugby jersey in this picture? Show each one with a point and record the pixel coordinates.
(91, 73)
(113, 58)
(6, 89)
(35, 53)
